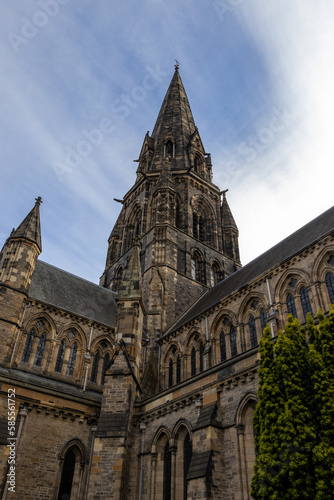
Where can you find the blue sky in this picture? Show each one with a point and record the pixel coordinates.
(82, 83)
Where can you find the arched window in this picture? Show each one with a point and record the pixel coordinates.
(40, 350)
(28, 346)
(222, 347)
(71, 361)
(290, 302)
(198, 226)
(233, 341)
(252, 331)
(197, 164)
(305, 300)
(178, 370)
(193, 361)
(104, 368)
(167, 473)
(118, 279)
(95, 367)
(67, 476)
(197, 267)
(169, 149)
(263, 319)
(201, 357)
(187, 455)
(60, 357)
(170, 373)
(133, 226)
(215, 274)
(330, 286)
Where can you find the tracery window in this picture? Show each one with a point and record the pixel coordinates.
(118, 279)
(233, 341)
(330, 286)
(263, 319)
(187, 455)
(222, 347)
(178, 370)
(305, 300)
(71, 360)
(104, 368)
(95, 367)
(170, 373)
(40, 350)
(60, 357)
(28, 346)
(252, 331)
(197, 267)
(193, 361)
(215, 274)
(198, 226)
(201, 357)
(167, 473)
(290, 301)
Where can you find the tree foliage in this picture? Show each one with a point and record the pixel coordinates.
(293, 421)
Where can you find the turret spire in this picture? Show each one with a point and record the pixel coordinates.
(30, 227)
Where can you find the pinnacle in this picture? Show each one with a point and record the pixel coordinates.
(30, 227)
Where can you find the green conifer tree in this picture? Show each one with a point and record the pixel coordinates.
(322, 360)
(285, 440)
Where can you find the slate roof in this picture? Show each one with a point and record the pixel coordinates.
(283, 251)
(73, 294)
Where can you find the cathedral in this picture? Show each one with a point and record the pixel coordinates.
(144, 387)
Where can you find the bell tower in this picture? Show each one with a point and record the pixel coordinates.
(176, 210)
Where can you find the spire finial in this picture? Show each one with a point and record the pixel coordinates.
(177, 65)
(38, 201)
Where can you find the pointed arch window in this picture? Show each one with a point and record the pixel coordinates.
(193, 361)
(169, 149)
(28, 346)
(290, 302)
(118, 279)
(178, 370)
(60, 357)
(330, 286)
(40, 351)
(222, 347)
(67, 476)
(201, 357)
(305, 300)
(187, 455)
(197, 164)
(198, 226)
(167, 473)
(95, 367)
(252, 331)
(197, 267)
(215, 273)
(263, 319)
(104, 368)
(170, 373)
(233, 341)
(71, 361)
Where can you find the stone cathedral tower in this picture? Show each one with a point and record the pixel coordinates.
(188, 235)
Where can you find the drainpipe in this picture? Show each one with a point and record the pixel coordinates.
(22, 416)
(141, 464)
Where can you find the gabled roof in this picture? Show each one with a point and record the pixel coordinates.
(73, 294)
(30, 227)
(292, 245)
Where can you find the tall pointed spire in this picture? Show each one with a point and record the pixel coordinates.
(175, 115)
(30, 227)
